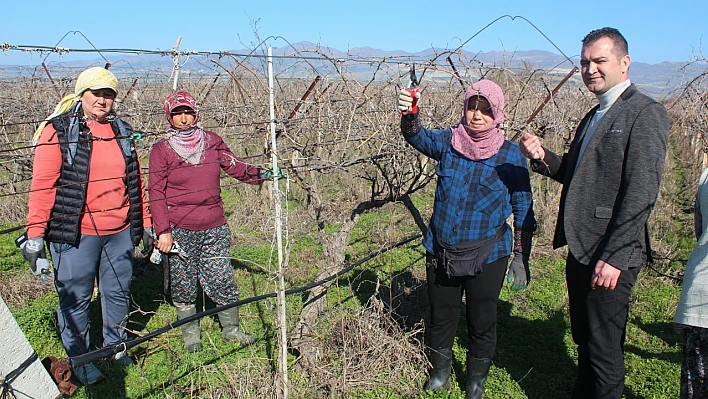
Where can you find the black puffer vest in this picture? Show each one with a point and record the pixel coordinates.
(63, 226)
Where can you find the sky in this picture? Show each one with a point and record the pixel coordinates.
(657, 31)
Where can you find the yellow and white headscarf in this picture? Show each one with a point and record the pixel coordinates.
(91, 79)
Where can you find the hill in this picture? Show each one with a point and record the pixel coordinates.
(659, 80)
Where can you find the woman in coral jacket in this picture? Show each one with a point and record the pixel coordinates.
(88, 203)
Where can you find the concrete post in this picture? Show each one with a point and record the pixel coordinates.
(34, 382)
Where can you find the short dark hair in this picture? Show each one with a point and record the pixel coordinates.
(620, 49)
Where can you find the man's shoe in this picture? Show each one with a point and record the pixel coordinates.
(123, 360)
(88, 374)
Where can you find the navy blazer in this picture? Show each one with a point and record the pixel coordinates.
(608, 196)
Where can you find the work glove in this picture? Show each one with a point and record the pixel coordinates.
(33, 251)
(267, 174)
(148, 241)
(405, 100)
(519, 272)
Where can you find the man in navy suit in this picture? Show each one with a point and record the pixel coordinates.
(611, 176)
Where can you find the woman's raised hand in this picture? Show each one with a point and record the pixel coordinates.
(405, 100)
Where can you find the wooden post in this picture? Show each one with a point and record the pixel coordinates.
(175, 60)
(282, 320)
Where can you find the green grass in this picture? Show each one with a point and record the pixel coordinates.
(11, 259)
(535, 356)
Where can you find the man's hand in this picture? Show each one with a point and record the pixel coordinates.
(605, 276)
(405, 100)
(519, 272)
(164, 242)
(530, 146)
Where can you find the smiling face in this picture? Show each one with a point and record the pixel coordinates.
(182, 117)
(97, 104)
(602, 67)
(479, 113)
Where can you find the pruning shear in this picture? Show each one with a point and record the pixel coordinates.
(176, 249)
(413, 90)
(156, 256)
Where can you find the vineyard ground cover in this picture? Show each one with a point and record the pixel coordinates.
(535, 356)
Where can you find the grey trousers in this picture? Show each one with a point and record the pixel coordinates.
(108, 259)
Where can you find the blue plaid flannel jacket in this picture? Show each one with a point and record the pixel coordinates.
(473, 199)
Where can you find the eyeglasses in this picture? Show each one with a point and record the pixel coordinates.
(481, 106)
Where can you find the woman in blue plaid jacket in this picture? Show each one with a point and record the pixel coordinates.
(481, 180)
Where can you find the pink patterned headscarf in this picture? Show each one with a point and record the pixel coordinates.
(480, 144)
(189, 144)
(180, 99)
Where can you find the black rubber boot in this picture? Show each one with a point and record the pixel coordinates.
(441, 361)
(477, 372)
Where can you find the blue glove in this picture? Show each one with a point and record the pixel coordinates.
(519, 272)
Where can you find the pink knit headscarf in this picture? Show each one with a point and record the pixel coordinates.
(480, 144)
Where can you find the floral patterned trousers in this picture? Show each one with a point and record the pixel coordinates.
(208, 263)
(694, 362)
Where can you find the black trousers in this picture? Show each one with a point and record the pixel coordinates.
(598, 321)
(482, 295)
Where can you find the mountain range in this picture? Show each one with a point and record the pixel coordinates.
(659, 80)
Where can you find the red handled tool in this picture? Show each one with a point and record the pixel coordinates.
(413, 89)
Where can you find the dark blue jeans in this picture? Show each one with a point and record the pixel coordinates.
(108, 259)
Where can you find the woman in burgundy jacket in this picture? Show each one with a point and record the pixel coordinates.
(186, 205)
